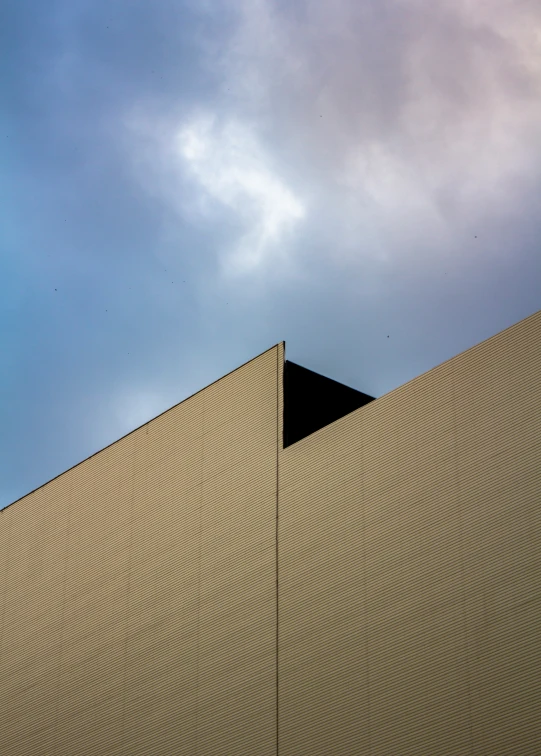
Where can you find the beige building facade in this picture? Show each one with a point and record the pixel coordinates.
(282, 566)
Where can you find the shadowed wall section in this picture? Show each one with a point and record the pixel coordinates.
(312, 401)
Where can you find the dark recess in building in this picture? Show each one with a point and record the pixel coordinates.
(312, 401)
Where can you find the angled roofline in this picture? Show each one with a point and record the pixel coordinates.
(141, 426)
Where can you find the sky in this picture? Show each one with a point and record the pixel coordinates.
(185, 184)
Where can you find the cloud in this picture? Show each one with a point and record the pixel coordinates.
(375, 139)
(212, 169)
(360, 134)
(231, 167)
(410, 116)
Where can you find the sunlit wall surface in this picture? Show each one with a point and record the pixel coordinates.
(373, 588)
(139, 588)
(410, 566)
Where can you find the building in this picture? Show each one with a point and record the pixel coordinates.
(282, 565)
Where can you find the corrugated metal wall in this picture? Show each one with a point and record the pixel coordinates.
(139, 588)
(409, 566)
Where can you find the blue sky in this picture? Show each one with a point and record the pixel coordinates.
(185, 184)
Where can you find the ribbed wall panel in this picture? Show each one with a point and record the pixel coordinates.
(410, 562)
(138, 589)
(5, 532)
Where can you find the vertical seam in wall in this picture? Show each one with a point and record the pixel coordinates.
(366, 604)
(5, 586)
(128, 589)
(462, 568)
(276, 534)
(199, 570)
(63, 618)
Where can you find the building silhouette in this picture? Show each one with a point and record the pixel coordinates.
(283, 565)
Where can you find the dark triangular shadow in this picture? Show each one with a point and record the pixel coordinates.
(312, 401)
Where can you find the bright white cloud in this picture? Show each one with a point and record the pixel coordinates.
(231, 167)
(399, 120)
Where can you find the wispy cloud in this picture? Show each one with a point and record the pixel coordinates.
(423, 114)
(397, 124)
(203, 166)
(232, 168)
